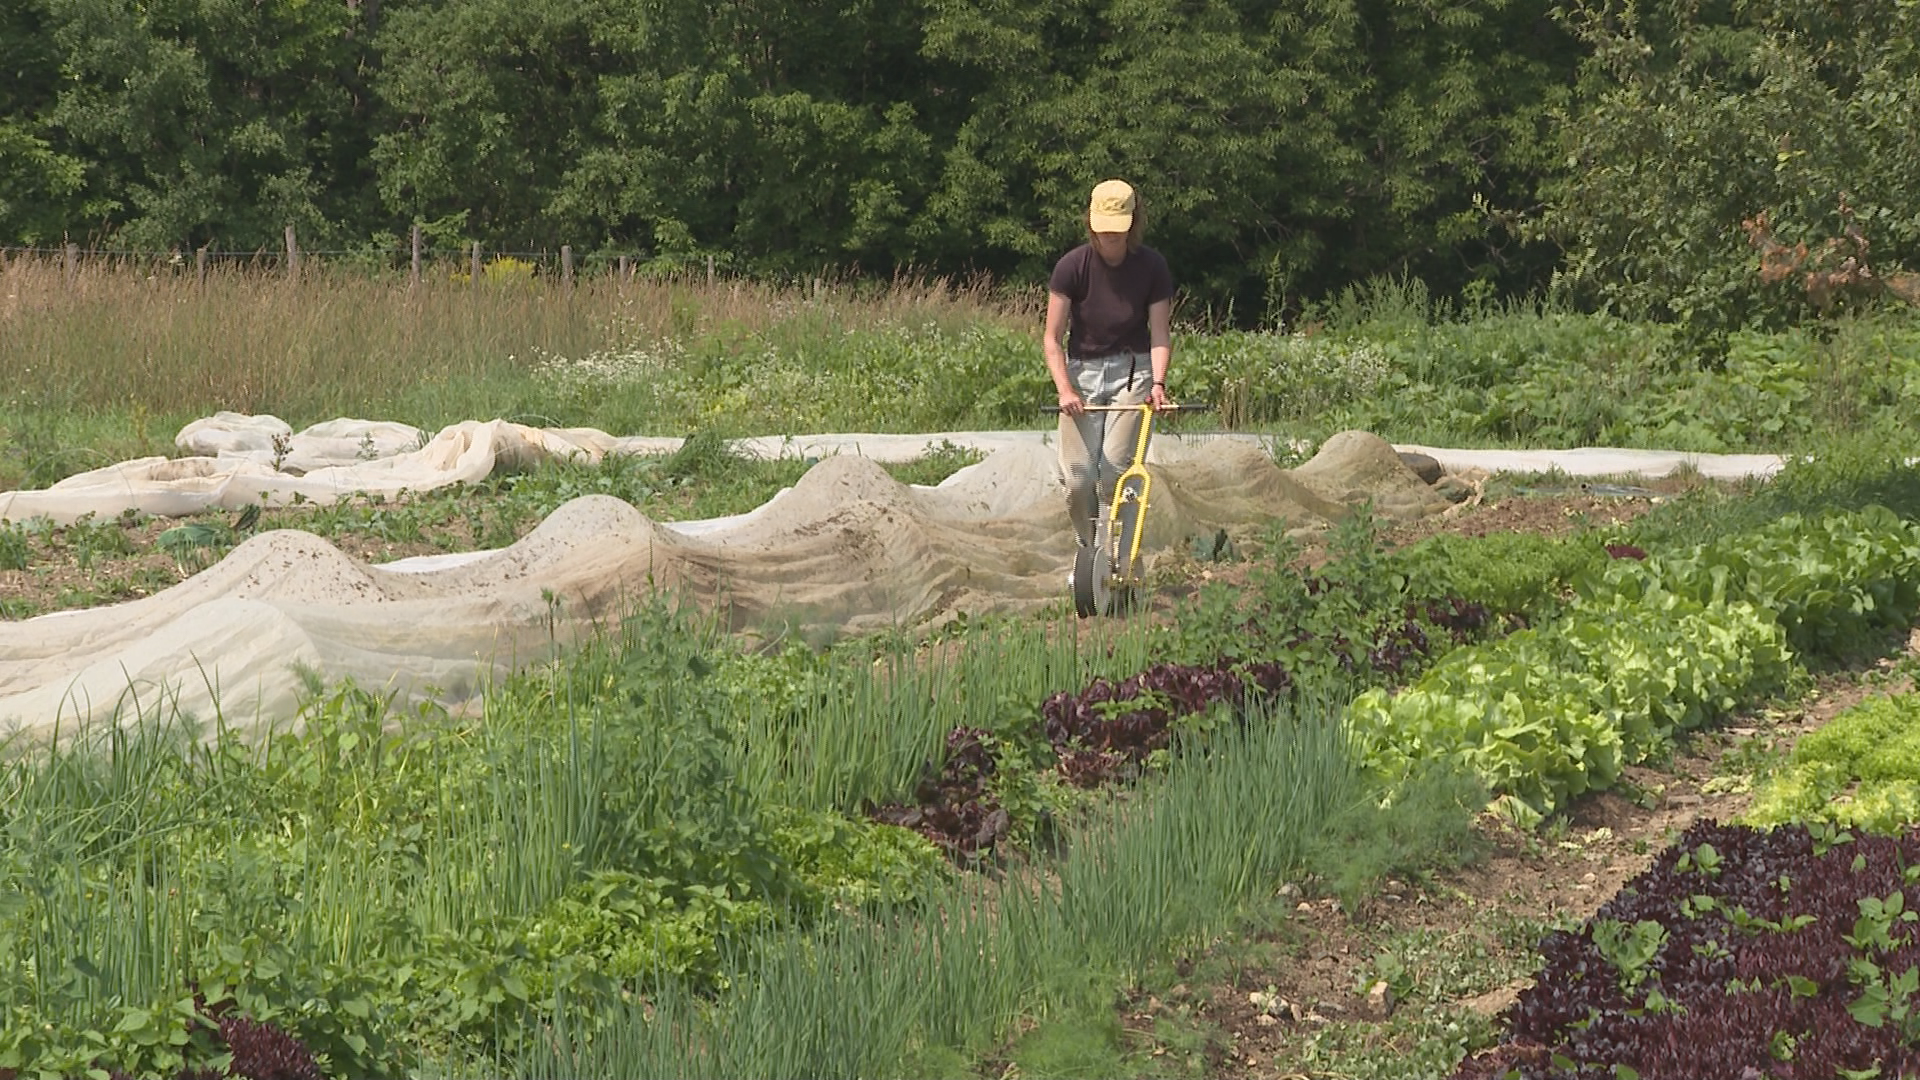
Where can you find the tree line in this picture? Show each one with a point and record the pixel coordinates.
(1605, 150)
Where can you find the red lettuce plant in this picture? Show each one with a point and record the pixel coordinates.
(1741, 953)
(955, 805)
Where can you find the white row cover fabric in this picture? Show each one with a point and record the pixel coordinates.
(233, 460)
(847, 548)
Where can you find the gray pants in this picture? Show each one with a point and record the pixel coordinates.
(1095, 448)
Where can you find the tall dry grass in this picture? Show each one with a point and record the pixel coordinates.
(160, 339)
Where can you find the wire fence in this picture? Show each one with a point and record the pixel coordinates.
(398, 255)
(416, 258)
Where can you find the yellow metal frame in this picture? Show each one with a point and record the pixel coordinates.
(1121, 497)
(1136, 470)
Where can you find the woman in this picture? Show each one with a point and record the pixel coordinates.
(1108, 342)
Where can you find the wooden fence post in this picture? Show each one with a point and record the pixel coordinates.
(709, 271)
(72, 260)
(200, 267)
(625, 273)
(566, 269)
(475, 280)
(413, 281)
(293, 256)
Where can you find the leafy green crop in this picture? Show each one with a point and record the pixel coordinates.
(16, 548)
(1661, 645)
(1834, 580)
(1544, 715)
(1862, 769)
(1511, 573)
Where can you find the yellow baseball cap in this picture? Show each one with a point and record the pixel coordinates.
(1111, 209)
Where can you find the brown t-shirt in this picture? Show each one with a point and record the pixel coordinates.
(1109, 313)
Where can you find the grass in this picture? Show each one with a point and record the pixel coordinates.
(116, 334)
(107, 365)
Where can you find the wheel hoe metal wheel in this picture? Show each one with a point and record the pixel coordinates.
(1092, 581)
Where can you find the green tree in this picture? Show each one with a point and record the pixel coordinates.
(1694, 118)
(38, 183)
(772, 135)
(1286, 149)
(489, 102)
(211, 120)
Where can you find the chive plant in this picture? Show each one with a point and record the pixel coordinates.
(873, 996)
(863, 736)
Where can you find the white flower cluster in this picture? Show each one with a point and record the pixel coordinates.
(605, 367)
(1344, 370)
(1359, 367)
